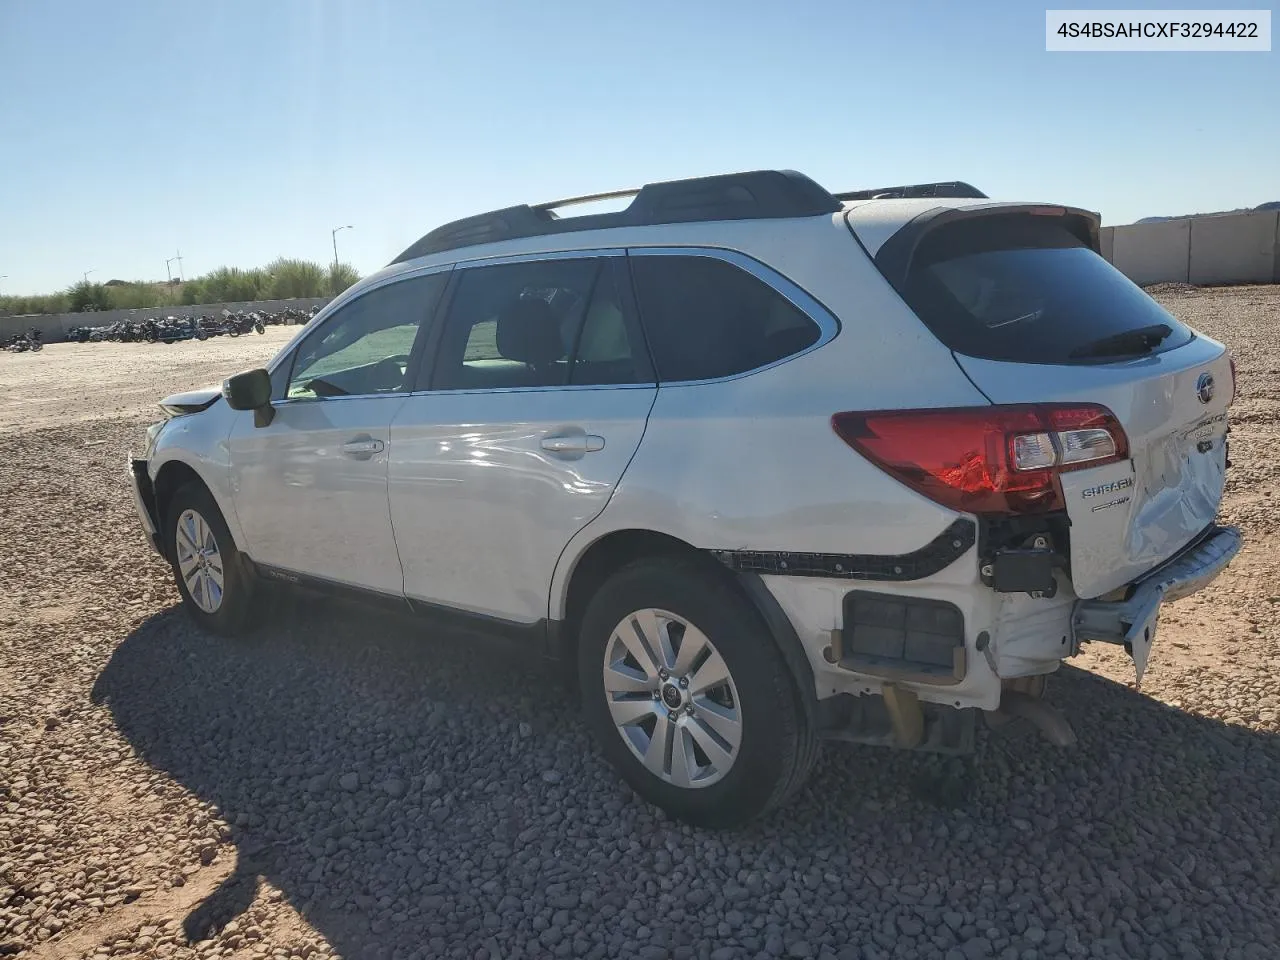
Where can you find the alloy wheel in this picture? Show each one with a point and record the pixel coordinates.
(672, 698)
(199, 561)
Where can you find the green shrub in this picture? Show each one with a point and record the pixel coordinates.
(341, 276)
(294, 278)
(282, 279)
(47, 303)
(231, 284)
(130, 296)
(193, 293)
(86, 296)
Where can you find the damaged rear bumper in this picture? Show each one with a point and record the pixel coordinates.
(1129, 621)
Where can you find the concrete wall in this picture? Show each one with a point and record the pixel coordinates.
(1237, 249)
(1153, 252)
(54, 327)
(1107, 242)
(1231, 248)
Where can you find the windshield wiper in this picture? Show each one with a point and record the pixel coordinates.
(1129, 343)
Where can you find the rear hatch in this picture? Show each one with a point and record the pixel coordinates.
(1034, 315)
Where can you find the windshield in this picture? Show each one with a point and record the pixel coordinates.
(1024, 288)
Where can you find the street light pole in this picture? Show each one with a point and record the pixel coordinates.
(334, 234)
(333, 279)
(87, 272)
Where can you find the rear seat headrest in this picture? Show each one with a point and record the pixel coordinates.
(529, 331)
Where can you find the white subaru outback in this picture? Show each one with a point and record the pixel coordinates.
(768, 464)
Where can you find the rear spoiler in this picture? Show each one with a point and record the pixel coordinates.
(951, 188)
(894, 257)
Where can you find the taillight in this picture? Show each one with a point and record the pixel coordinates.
(1002, 459)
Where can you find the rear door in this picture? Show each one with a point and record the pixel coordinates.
(1034, 315)
(538, 391)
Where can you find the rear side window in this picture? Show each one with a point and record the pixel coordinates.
(514, 325)
(540, 323)
(705, 318)
(1024, 288)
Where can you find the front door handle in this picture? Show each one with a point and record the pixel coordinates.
(574, 444)
(362, 448)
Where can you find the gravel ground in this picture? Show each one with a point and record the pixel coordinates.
(340, 785)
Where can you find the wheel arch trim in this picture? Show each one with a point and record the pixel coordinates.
(163, 467)
(752, 585)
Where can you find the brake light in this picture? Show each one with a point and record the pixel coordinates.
(1000, 460)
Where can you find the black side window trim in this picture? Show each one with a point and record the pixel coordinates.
(641, 353)
(426, 332)
(825, 319)
(426, 352)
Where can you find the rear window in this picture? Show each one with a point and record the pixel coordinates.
(1024, 288)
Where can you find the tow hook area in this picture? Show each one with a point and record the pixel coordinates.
(1022, 700)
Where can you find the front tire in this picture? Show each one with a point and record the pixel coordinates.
(688, 695)
(211, 575)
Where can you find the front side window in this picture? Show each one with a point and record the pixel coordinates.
(706, 318)
(537, 323)
(364, 347)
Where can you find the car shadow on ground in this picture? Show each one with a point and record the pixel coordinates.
(413, 797)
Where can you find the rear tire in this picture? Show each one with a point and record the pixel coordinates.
(212, 577)
(710, 754)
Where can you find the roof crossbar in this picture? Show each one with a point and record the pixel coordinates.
(587, 198)
(950, 188)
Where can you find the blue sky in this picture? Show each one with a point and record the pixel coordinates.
(240, 130)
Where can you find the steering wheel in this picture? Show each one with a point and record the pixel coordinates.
(391, 371)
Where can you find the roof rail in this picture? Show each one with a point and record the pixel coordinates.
(757, 194)
(951, 188)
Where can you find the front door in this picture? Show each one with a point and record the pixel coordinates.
(537, 396)
(310, 488)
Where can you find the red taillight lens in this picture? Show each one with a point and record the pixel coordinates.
(1002, 459)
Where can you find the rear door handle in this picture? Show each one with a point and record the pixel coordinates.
(573, 444)
(362, 448)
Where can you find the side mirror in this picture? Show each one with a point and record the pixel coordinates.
(250, 391)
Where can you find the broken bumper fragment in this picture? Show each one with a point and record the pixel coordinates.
(1132, 621)
(144, 501)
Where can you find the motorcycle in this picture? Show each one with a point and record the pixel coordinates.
(237, 324)
(171, 329)
(22, 342)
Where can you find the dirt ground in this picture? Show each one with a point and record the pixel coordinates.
(339, 785)
(69, 383)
